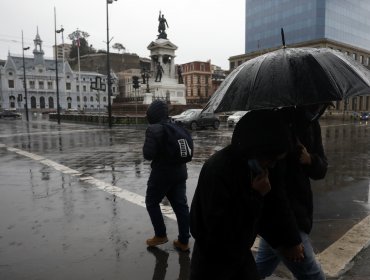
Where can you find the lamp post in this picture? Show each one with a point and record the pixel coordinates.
(24, 78)
(108, 71)
(56, 63)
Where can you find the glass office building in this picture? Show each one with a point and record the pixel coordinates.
(344, 21)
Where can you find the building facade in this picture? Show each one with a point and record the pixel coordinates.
(74, 88)
(336, 24)
(197, 77)
(63, 51)
(344, 21)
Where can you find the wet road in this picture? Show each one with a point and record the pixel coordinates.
(62, 218)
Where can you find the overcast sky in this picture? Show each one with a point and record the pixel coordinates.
(202, 29)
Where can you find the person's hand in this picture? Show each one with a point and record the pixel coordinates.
(261, 183)
(305, 157)
(294, 254)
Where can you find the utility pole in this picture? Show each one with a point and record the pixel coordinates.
(24, 79)
(108, 71)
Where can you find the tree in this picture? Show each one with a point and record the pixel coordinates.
(119, 47)
(78, 37)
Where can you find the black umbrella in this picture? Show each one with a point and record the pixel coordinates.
(291, 77)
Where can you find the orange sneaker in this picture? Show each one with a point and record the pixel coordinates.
(181, 246)
(156, 240)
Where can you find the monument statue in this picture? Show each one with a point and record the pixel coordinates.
(160, 71)
(162, 26)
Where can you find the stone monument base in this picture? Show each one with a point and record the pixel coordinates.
(167, 89)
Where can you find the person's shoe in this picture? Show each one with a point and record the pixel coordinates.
(181, 246)
(156, 240)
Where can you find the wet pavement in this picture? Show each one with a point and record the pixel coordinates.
(62, 217)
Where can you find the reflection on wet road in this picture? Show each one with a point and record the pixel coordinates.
(115, 157)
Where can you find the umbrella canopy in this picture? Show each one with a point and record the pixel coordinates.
(291, 77)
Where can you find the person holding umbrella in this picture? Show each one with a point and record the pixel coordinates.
(229, 197)
(287, 217)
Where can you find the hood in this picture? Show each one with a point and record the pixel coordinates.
(157, 111)
(261, 134)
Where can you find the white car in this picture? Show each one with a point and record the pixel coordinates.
(234, 118)
(184, 114)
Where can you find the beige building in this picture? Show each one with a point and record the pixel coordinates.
(358, 103)
(197, 77)
(60, 48)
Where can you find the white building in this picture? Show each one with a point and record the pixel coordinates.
(74, 88)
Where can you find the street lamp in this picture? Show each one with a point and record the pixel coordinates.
(24, 78)
(108, 71)
(56, 63)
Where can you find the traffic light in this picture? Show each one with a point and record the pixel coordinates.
(135, 82)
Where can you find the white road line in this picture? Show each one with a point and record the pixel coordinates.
(51, 132)
(114, 190)
(335, 259)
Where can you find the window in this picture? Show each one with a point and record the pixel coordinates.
(11, 83)
(68, 86)
(78, 88)
(41, 84)
(104, 99)
(114, 89)
(32, 84)
(85, 99)
(78, 99)
(91, 99)
(10, 73)
(84, 88)
(50, 85)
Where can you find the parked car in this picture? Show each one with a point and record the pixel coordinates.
(7, 114)
(364, 116)
(234, 118)
(183, 114)
(194, 118)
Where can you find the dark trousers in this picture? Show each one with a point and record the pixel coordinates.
(176, 194)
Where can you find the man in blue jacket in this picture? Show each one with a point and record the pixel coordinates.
(166, 180)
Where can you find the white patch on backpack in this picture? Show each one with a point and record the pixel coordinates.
(185, 150)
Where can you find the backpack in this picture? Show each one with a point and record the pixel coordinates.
(178, 145)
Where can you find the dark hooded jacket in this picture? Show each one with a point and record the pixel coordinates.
(225, 209)
(289, 205)
(153, 149)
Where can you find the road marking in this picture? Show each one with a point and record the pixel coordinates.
(51, 132)
(109, 188)
(335, 259)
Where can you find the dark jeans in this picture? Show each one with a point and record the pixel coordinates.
(176, 194)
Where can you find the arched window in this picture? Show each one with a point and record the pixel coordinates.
(42, 102)
(85, 98)
(91, 99)
(33, 102)
(51, 103)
